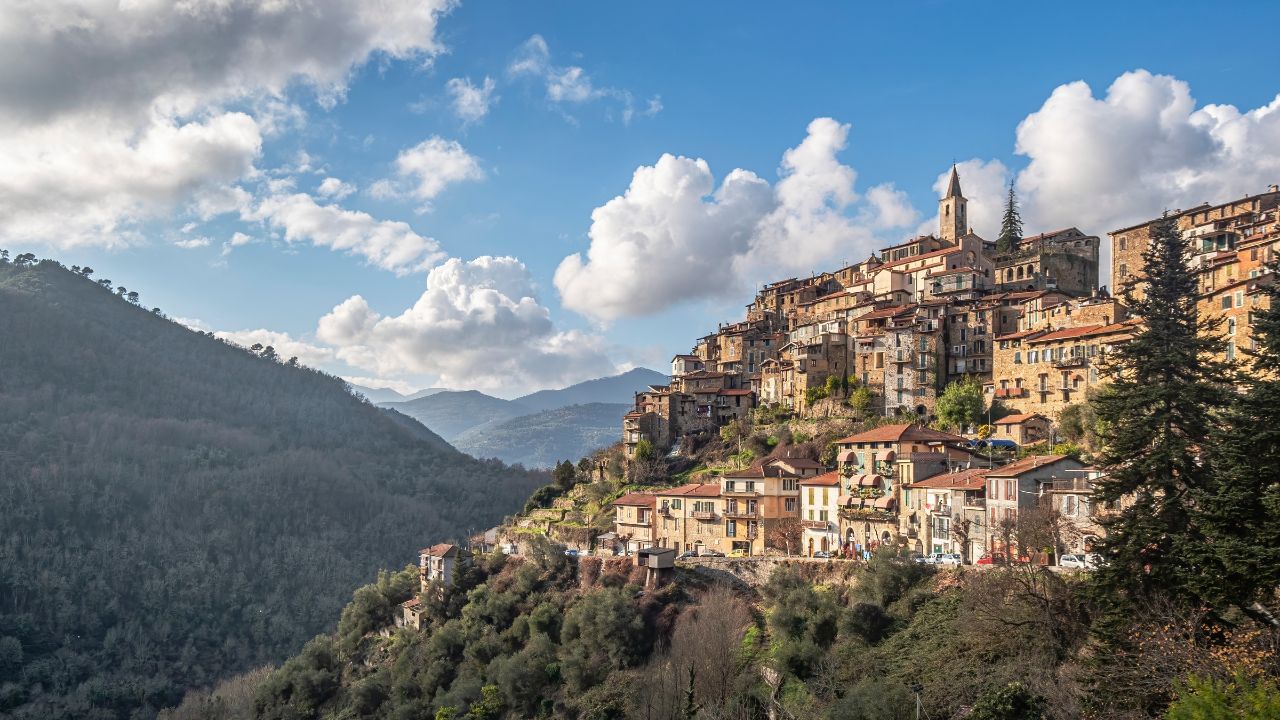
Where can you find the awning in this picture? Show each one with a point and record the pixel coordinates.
(888, 502)
(846, 455)
(869, 481)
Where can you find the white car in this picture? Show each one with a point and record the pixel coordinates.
(945, 559)
(1080, 561)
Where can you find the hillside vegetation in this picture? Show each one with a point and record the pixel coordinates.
(174, 509)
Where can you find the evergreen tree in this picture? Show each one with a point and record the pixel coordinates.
(1010, 226)
(1159, 413)
(1240, 511)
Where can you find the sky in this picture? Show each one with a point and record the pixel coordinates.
(508, 196)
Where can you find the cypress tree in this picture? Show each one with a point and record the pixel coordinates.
(1240, 511)
(1166, 388)
(1010, 226)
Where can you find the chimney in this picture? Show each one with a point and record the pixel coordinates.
(1273, 188)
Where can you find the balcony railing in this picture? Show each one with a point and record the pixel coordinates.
(815, 524)
(1073, 485)
(1011, 392)
(703, 515)
(942, 510)
(1071, 361)
(873, 514)
(741, 493)
(975, 502)
(742, 513)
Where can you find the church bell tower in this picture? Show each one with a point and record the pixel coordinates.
(953, 215)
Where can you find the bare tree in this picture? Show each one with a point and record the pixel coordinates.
(785, 533)
(961, 532)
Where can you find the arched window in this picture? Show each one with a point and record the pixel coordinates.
(1020, 273)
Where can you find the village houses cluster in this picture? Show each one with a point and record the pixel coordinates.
(1030, 323)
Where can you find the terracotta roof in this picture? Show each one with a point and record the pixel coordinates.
(1026, 464)
(411, 603)
(1017, 419)
(882, 313)
(1085, 331)
(693, 490)
(1018, 335)
(923, 256)
(828, 479)
(439, 550)
(635, 498)
(736, 391)
(971, 479)
(899, 433)
(755, 471)
(798, 462)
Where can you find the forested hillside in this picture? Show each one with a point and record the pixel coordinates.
(174, 509)
(453, 412)
(545, 438)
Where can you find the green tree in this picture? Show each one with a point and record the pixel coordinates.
(860, 400)
(1239, 511)
(1241, 699)
(564, 474)
(1166, 388)
(644, 450)
(961, 404)
(1010, 226)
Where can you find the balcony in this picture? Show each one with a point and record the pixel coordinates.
(741, 493)
(1011, 392)
(1071, 361)
(868, 514)
(913, 533)
(942, 511)
(743, 513)
(704, 515)
(815, 524)
(1080, 485)
(975, 502)
(665, 511)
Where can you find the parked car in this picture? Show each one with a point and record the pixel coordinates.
(987, 560)
(571, 552)
(1077, 562)
(822, 554)
(687, 555)
(945, 559)
(922, 559)
(712, 553)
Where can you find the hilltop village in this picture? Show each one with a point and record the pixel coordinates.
(883, 339)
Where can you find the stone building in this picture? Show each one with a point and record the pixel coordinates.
(688, 518)
(757, 498)
(1065, 260)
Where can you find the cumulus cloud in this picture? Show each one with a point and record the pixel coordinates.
(471, 102)
(332, 187)
(391, 245)
(433, 165)
(478, 324)
(115, 113)
(674, 236)
(571, 84)
(192, 243)
(1105, 162)
(889, 207)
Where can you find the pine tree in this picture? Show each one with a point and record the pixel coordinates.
(1241, 510)
(1010, 226)
(1159, 413)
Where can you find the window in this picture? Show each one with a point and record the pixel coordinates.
(1124, 245)
(995, 493)
(1069, 506)
(1231, 326)
(730, 486)
(675, 504)
(1231, 350)
(1226, 303)
(811, 496)
(1239, 298)
(1010, 489)
(1124, 271)
(789, 504)
(731, 528)
(1017, 358)
(790, 484)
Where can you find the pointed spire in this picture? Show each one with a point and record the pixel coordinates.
(953, 185)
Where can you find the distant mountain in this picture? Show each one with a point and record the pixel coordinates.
(387, 395)
(175, 509)
(542, 439)
(485, 426)
(617, 389)
(453, 412)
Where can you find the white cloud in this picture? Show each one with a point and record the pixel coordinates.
(889, 208)
(115, 113)
(1102, 163)
(471, 102)
(673, 236)
(192, 243)
(477, 325)
(332, 187)
(390, 245)
(285, 345)
(570, 84)
(434, 164)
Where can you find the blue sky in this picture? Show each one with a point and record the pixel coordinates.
(910, 86)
